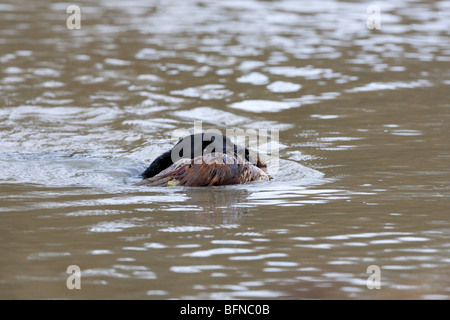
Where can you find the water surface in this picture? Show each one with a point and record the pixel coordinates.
(363, 173)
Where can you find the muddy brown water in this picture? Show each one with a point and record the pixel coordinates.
(363, 119)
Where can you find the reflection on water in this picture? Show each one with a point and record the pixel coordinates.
(363, 170)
